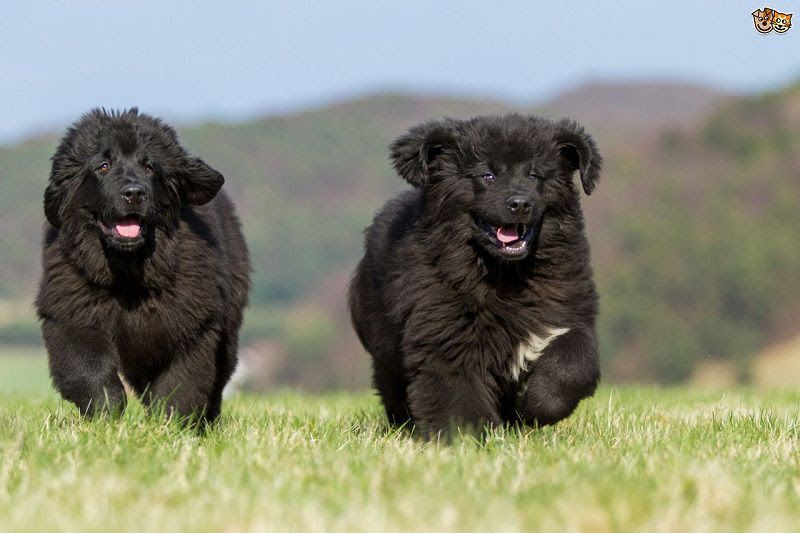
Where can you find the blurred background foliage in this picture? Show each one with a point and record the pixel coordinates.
(694, 227)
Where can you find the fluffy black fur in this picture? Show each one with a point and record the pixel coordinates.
(161, 307)
(464, 329)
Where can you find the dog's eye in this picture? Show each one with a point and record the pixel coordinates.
(488, 177)
(103, 168)
(148, 168)
(534, 175)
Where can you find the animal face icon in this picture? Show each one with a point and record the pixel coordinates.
(763, 19)
(781, 22)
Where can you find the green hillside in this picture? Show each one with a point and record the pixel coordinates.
(698, 250)
(693, 227)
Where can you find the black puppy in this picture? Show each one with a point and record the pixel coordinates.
(146, 271)
(475, 295)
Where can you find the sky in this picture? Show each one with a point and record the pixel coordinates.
(233, 60)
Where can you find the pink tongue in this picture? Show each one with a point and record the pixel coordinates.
(129, 228)
(507, 233)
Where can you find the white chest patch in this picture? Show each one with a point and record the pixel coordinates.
(531, 349)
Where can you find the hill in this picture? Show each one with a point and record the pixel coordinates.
(692, 225)
(636, 107)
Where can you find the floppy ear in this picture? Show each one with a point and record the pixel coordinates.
(413, 153)
(580, 152)
(53, 196)
(62, 172)
(199, 182)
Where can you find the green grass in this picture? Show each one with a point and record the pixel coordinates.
(630, 459)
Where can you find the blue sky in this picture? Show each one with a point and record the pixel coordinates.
(193, 61)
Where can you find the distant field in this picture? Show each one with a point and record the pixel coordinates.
(631, 459)
(23, 371)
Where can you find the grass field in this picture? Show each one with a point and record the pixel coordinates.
(641, 459)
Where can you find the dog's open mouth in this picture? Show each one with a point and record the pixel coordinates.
(509, 239)
(128, 228)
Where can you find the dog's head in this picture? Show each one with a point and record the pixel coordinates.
(491, 180)
(118, 175)
(762, 18)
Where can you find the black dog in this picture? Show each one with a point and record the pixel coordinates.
(475, 295)
(146, 272)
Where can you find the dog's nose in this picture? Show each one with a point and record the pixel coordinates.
(519, 205)
(132, 193)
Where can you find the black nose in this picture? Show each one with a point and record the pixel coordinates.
(132, 193)
(519, 205)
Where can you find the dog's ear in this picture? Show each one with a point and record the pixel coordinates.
(580, 152)
(62, 172)
(413, 153)
(199, 183)
(53, 197)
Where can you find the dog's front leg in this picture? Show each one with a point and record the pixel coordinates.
(446, 398)
(83, 365)
(567, 372)
(189, 386)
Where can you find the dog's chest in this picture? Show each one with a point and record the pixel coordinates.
(143, 333)
(509, 343)
(518, 333)
(530, 349)
(153, 329)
